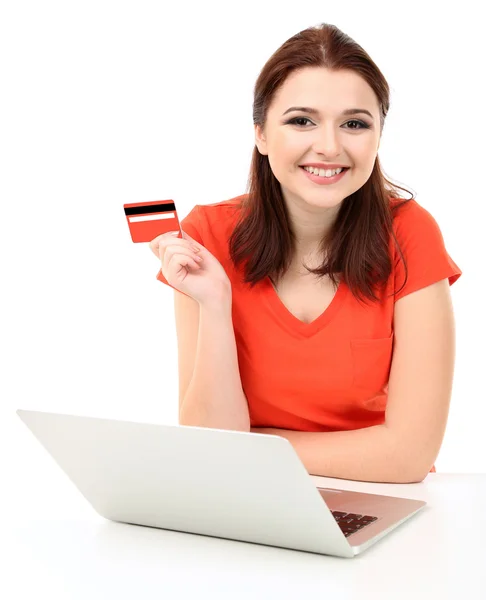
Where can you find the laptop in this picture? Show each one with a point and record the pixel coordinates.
(235, 485)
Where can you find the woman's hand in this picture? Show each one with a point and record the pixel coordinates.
(205, 281)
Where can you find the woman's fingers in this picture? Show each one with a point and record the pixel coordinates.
(175, 250)
(186, 260)
(164, 240)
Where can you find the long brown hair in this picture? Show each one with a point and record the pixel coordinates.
(357, 245)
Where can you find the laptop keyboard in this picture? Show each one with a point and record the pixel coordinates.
(351, 522)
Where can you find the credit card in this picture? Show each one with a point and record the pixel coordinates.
(147, 220)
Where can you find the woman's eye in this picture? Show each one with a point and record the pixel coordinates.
(361, 124)
(294, 120)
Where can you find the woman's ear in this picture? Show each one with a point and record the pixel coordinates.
(260, 140)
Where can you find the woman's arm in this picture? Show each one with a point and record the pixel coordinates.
(215, 396)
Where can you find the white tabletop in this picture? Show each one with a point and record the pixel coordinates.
(54, 545)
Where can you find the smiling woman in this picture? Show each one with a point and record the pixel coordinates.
(304, 99)
(321, 354)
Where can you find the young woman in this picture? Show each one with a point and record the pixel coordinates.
(316, 306)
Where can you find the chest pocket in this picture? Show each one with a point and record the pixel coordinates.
(371, 358)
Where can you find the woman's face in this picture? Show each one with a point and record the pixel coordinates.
(328, 136)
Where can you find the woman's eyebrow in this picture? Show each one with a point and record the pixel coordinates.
(313, 111)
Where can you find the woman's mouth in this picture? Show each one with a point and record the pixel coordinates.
(325, 180)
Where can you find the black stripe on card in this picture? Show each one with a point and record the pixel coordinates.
(151, 208)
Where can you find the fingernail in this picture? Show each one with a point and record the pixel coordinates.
(174, 232)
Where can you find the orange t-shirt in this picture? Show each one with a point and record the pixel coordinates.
(330, 374)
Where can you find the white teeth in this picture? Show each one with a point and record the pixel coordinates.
(323, 172)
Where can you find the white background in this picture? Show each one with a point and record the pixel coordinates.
(106, 103)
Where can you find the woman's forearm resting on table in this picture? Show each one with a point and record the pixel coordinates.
(215, 396)
(369, 454)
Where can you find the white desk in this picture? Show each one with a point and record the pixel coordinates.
(439, 553)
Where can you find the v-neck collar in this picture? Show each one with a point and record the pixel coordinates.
(291, 321)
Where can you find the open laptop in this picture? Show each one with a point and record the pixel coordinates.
(230, 484)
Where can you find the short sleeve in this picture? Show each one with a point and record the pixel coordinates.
(190, 224)
(423, 248)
